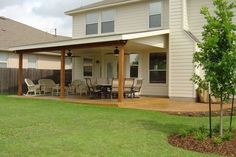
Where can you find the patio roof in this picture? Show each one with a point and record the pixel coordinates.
(88, 42)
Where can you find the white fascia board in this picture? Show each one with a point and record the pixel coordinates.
(5, 50)
(144, 34)
(77, 10)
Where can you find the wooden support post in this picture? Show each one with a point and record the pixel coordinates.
(20, 75)
(121, 74)
(62, 77)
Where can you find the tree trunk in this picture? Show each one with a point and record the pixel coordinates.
(221, 116)
(232, 113)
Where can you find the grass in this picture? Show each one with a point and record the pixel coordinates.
(46, 128)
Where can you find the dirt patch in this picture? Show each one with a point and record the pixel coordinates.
(227, 148)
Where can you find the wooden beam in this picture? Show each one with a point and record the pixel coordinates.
(76, 46)
(62, 77)
(20, 75)
(121, 74)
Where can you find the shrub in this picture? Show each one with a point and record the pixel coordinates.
(228, 135)
(203, 129)
(183, 133)
(200, 136)
(217, 140)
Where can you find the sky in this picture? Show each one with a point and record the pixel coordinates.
(45, 15)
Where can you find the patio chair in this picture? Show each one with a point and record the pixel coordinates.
(81, 89)
(128, 87)
(32, 88)
(47, 85)
(73, 86)
(137, 88)
(92, 89)
(114, 87)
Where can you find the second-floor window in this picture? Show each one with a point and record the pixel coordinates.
(155, 11)
(92, 24)
(108, 24)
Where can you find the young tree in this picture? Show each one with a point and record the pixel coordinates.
(217, 54)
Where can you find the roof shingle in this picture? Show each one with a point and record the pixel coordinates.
(13, 33)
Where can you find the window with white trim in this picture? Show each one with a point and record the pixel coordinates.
(157, 67)
(88, 67)
(155, 13)
(92, 23)
(108, 22)
(32, 62)
(3, 60)
(134, 63)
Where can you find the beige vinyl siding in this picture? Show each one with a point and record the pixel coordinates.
(180, 54)
(77, 69)
(128, 18)
(43, 61)
(78, 25)
(147, 88)
(196, 20)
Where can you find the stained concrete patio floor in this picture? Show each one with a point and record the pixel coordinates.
(145, 103)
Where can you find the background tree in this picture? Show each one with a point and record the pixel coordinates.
(217, 54)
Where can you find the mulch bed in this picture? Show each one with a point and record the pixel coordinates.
(227, 148)
(227, 112)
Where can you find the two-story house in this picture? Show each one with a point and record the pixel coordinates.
(159, 39)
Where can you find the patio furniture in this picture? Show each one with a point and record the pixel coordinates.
(137, 88)
(92, 89)
(32, 88)
(114, 87)
(128, 87)
(73, 86)
(105, 89)
(47, 85)
(56, 90)
(81, 89)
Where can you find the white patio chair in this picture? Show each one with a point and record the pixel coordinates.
(137, 88)
(128, 87)
(114, 87)
(82, 88)
(73, 86)
(47, 85)
(32, 88)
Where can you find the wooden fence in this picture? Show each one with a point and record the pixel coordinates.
(8, 78)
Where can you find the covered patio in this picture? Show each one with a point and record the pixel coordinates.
(125, 43)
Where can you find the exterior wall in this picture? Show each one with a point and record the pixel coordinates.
(128, 18)
(43, 61)
(180, 54)
(196, 20)
(147, 88)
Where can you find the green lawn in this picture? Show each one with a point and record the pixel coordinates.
(43, 128)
